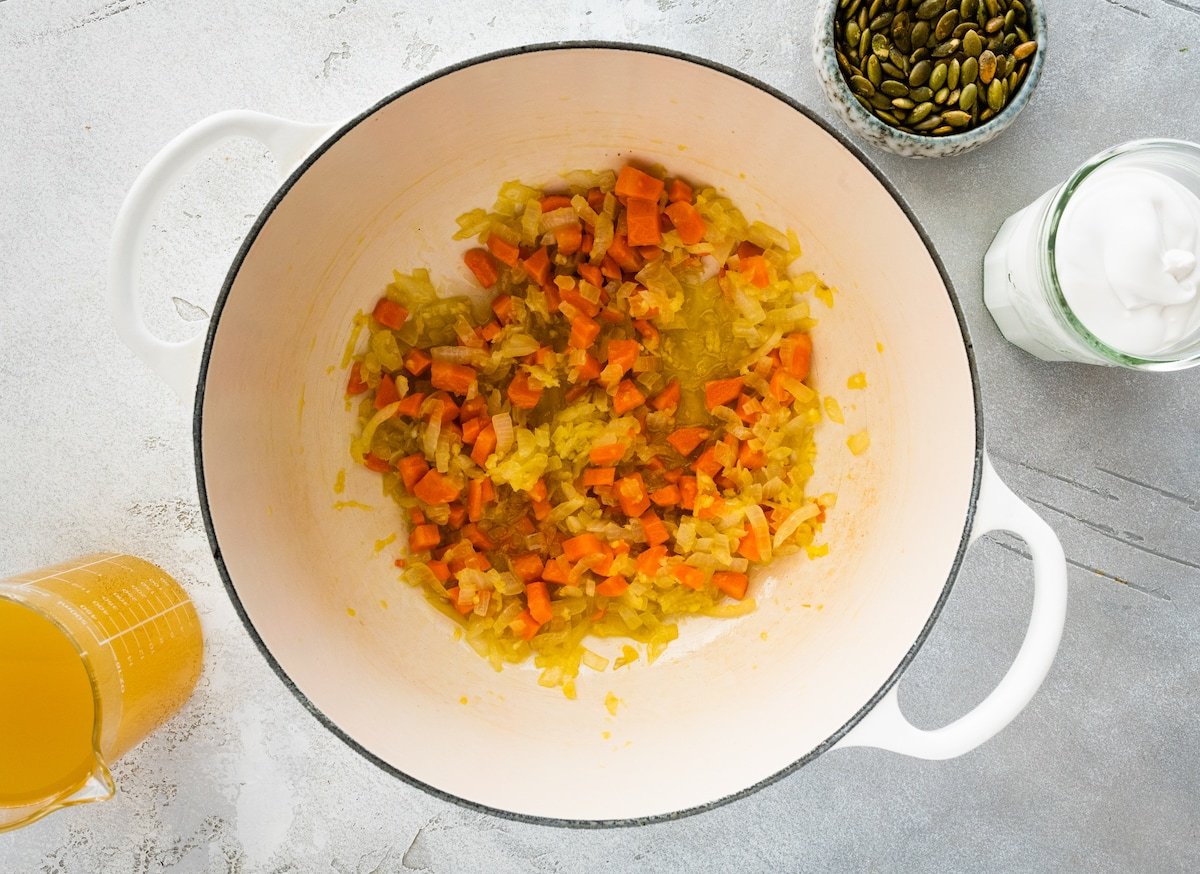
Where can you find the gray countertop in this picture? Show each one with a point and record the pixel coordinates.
(1100, 773)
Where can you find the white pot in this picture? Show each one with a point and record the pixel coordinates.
(733, 704)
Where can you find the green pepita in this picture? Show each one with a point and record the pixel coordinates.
(942, 97)
(879, 45)
(967, 99)
(945, 25)
(893, 88)
(874, 71)
(972, 44)
(920, 73)
(987, 67)
(953, 74)
(922, 94)
(930, 9)
(893, 71)
(920, 113)
(970, 69)
(862, 85)
(956, 118)
(946, 48)
(938, 77)
(921, 33)
(995, 95)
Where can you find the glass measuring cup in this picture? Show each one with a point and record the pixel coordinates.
(95, 653)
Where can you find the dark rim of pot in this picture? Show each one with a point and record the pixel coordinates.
(198, 432)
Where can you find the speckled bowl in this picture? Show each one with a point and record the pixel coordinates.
(901, 142)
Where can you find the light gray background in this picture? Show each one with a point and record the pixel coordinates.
(1101, 772)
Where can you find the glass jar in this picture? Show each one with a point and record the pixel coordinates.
(1020, 276)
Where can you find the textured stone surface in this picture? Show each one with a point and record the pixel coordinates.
(1100, 773)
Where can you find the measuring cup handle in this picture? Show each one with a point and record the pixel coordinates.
(178, 363)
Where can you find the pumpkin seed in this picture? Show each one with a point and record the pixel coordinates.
(967, 99)
(946, 25)
(903, 103)
(864, 43)
(1001, 67)
(993, 7)
(861, 85)
(898, 60)
(994, 24)
(920, 35)
(901, 5)
(986, 114)
(963, 29)
(902, 32)
(1010, 19)
(888, 117)
(953, 73)
(1023, 34)
(946, 48)
(1019, 8)
(1010, 41)
(919, 55)
(929, 123)
(944, 129)
(968, 8)
(970, 69)
(956, 118)
(866, 103)
(880, 101)
(874, 71)
(922, 94)
(852, 33)
(852, 9)
(972, 44)
(875, 6)
(864, 19)
(880, 22)
(930, 9)
(987, 67)
(893, 71)
(938, 77)
(942, 97)
(920, 73)
(1011, 82)
(879, 45)
(893, 88)
(995, 95)
(920, 113)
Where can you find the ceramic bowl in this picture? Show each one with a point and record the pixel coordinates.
(733, 704)
(878, 133)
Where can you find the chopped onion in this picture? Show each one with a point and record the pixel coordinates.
(559, 218)
(433, 430)
(502, 422)
(593, 660)
(794, 520)
(481, 602)
(457, 354)
(762, 533)
(363, 445)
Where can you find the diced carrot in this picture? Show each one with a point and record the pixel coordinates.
(627, 259)
(607, 453)
(751, 459)
(650, 253)
(472, 427)
(755, 269)
(713, 506)
(449, 408)
(502, 306)
(412, 468)
(688, 490)
(748, 408)
(721, 391)
(522, 393)
(591, 274)
(537, 265)
(568, 238)
(489, 491)
(454, 378)
(557, 571)
(795, 353)
(610, 268)
(631, 493)
(423, 538)
(373, 462)
(482, 265)
(386, 393)
(539, 492)
(552, 202)
(650, 560)
(688, 222)
(598, 476)
(538, 600)
(604, 566)
(590, 369)
(778, 389)
(623, 353)
(732, 584)
(528, 566)
(641, 216)
(478, 537)
(491, 331)
(503, 250)
(611, 316)
(417, 362)
(524, 525)
(434, 488)
(584, 332)
(577, 300)
(627, 397)
(525, 626)
(595, 199)
(707, 462)
(672, 476)
(416, 516)
(581, 545)
(632, 182)
(648, 331)
(541, 509)
(356, 385)
(654, 529)
(684, 440)
(692, 577)
(485, 445)
(667, 496)
(458, 515)
(390, 314)
(411, 405)
(440, 569)
(679, 192)
(586, 246)
(668, 398)
(475, 499)
(612, 587)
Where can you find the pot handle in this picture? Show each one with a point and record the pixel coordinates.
(178, 362)
(885, 726)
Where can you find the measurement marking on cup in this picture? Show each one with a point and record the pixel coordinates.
(56, 576)
(145, 621)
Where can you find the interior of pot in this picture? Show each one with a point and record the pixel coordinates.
(733, 701)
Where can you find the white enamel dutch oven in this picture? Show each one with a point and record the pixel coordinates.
(734, 704)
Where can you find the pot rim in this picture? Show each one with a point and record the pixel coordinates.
(198, 432)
